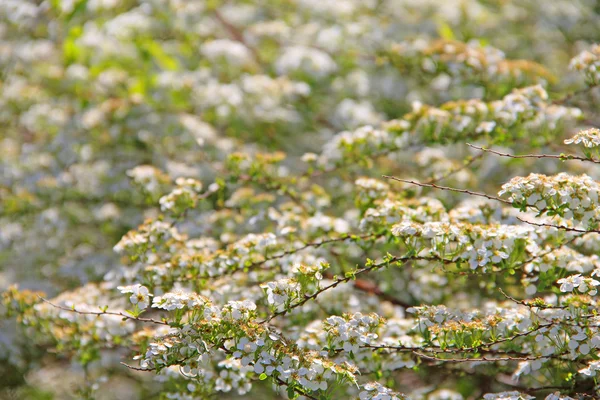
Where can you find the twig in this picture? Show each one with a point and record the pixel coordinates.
(137, 368)
(235, 33)
(570, 96)
(561, 227)
(433, 185)
(528, 304)
(439, 350)
(99, 313)
(352, 276)
(315, 245)
(366, 286)
(563, 157)
(480, 359)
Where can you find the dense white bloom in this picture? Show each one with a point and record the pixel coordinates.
(309, 60)
(233, 52)
(282, 291)
(178, 300)
(572, 197)
(376, 391)
(514, 395)
(114, 113)
(583, 284)
(558, 396)
(352, 331)
(589, 138)
(588, 62)
(591, 369)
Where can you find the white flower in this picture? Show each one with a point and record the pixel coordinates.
(178, 299)
(558, 396)
(589, 137)
(591, 369)
(232, 51)
(307, 59)
(376, 391)
(139, 295)
(486, 127)
(514, 395)
(282, 291)
(569, 283)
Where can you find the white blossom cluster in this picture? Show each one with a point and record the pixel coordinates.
(589, 138)
(352, 332)
(456, 62)
(185, 195)
(177, 300)
(148, 234)
(282, 292)
(377, 391)
(588, 63)
(216, 170)
(478, 246)
(571, 197)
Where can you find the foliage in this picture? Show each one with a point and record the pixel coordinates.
(270, 198)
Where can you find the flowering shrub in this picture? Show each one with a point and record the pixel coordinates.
(302, 199)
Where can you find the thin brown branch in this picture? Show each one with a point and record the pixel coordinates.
(137, 368)
(439, 350)
(335, 284)
(100, 313)
(576, 93)
(562, 157)
(366, 286)
(237, 35)
(255, 264)
(434, 186)
(352, 276)
(529, 303)
(561, 227)
(480, 359)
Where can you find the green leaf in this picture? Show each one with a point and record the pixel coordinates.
(262, 376)
(164, 60)
(290, 392)
(71, 52)
(444, 30)
(79, 8)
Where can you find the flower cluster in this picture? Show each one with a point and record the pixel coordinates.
(588, 63)
(282, 292)
(151, 233)
(582, 284)
(197, 185)
(350, 332)
(571, 197)
(376, 391)
(177, 300)
(525, 108)
(183, 197)
(454, 62)
(590, 139)
(479, 246)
